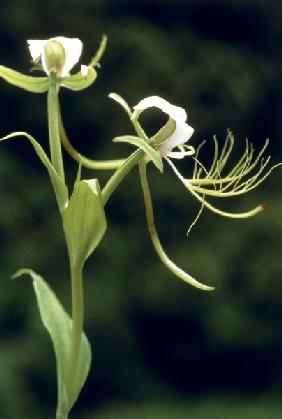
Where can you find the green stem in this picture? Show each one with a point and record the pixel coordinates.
(125, 168)
(77, 322)
(62, 415)
(53, 125)
(120, 174)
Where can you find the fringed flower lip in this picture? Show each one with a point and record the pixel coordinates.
(175, 133)
(59, 51)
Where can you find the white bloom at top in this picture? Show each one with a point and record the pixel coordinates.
(57, 54)
(182, 131)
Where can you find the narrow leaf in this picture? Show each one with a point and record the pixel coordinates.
(59, 325)
(29, 83)
(153, 154)
(84, 220)
(59, 185)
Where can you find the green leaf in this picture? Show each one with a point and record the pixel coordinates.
(59, 326)
(117, 98)
(58, 183)
(84, 221)
(79, 81)
(29, 83)
(153, 154)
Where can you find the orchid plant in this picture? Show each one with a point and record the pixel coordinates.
(83, 210)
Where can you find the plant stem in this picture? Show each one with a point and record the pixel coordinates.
(53, 125)
(120, 174)
(62, 415)
(77, 322)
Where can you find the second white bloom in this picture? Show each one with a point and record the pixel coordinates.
(181, 132)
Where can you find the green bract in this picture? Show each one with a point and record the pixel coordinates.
(84, 221)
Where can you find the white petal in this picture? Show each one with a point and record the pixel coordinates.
(183, 152)
(177, 155)
(36, 48)
(182, 131)
(84, 70)
(180, 136)
(175, 112)
(73, 49)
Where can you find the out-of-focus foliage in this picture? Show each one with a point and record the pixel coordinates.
(152, 336)
(210, 408)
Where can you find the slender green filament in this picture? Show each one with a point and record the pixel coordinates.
(248, 173)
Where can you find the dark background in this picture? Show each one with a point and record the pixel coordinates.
(160, 348)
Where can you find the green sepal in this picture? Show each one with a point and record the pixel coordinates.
(95, 61)
(79, 81)
(164, 133)
(153, 154)
(84, 221)
(29, 83)
(58, 183)
(117, 98)
(59, 326)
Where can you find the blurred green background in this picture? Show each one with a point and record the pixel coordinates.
(160, 348)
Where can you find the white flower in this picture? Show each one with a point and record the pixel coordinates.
(181, 133)
(57, 54)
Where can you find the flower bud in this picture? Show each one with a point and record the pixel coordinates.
(53, 57)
